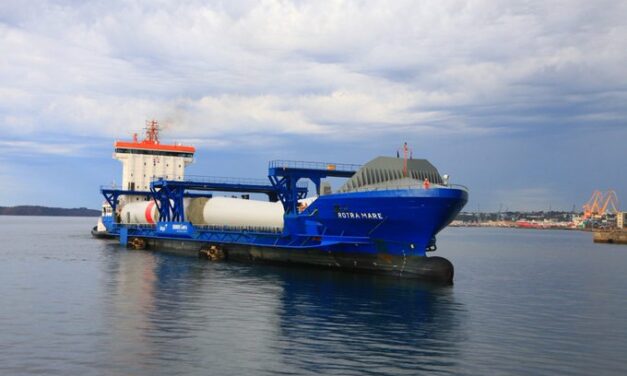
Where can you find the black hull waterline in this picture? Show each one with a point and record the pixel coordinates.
(434, 268)
(101, 234)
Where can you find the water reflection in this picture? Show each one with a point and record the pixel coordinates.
(234, 318)
(338, 323)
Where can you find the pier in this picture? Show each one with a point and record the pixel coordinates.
(614, 236)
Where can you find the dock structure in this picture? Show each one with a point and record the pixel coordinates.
(614, 236)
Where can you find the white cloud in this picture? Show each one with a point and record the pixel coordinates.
(21, 148)
(221, 70)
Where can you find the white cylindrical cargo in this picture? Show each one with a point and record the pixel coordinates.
(243, 213)
(141, 212)
(215, 211)
(235, 212)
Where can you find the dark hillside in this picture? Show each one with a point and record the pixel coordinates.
(46, 211)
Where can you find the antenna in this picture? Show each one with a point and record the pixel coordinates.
(152, 131)
(407, 153)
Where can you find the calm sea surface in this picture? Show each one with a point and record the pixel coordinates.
(525, 302)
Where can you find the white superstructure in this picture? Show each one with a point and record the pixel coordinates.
(147, 160)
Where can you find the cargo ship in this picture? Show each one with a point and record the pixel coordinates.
(383, 219)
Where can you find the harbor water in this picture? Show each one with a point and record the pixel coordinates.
(524, 302)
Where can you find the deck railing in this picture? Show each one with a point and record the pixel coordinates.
(327, 166)
(226, 180)
(231, 180)
(216, 180)
(412, 185)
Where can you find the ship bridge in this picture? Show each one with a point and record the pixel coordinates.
(146, 160)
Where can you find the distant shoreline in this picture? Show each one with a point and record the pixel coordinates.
(520, 228)
(44, 211)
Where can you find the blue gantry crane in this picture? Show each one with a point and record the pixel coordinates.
(285, 184)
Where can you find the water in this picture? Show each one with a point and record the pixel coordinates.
(524, 302)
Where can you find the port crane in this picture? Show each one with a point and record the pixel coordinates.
(599, 203)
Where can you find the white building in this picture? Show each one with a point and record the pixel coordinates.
(621, 219)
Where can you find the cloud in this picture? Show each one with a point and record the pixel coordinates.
(497, 88)
(335, 69)
(22, 148)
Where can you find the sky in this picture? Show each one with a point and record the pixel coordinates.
(524, 102)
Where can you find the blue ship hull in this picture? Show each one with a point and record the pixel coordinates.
(396, 222)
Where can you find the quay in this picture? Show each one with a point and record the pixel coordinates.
(613, 236)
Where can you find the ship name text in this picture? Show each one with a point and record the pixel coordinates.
(352, 215)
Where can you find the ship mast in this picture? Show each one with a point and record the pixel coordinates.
(407, 154)
(152, 132)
